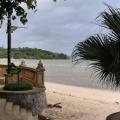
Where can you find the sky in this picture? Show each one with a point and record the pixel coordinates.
(58, 26)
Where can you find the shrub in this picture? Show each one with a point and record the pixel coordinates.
(18, 87)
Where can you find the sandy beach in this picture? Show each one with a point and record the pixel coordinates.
(80, 103)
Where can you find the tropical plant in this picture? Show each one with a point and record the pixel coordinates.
(103, 49)
(16, 8)
(11, 9)
(13, 69)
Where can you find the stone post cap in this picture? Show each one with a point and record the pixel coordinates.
(40, 62)
(40, 66)
(23, 64)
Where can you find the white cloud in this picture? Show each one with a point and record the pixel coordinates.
(59, 26)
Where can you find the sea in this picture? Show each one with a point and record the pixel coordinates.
(65, 72)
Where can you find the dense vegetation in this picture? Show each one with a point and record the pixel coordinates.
(31, 53)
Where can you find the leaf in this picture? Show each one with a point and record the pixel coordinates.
(103, 50)
(16, 6)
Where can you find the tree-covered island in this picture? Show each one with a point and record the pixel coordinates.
(31, 53)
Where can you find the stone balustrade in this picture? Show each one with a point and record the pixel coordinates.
(28, 104)
(32, 75)
(2, 70)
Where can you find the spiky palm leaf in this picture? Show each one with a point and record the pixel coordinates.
(111, 21)
(104, 50)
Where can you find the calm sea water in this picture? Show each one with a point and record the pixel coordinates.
(64, 72)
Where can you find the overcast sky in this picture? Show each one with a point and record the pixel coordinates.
(59, 26)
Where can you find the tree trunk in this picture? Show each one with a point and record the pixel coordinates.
(9, 44)
(18, 75)
(9, 40)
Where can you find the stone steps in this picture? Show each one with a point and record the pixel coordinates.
(2, 105)
(14, 112)
(16, 109)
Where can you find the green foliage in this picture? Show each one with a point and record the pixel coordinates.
(18, 87)
(3, 52)
(103, 49)
(30, 53)
(13, 69)
(16, 7)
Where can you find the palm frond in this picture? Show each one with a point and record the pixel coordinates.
(111, 20)
(104, 50)
(105, 53)
(91, 48)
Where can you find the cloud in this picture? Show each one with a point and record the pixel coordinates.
(59, 26)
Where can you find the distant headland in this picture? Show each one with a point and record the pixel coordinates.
(32, 53)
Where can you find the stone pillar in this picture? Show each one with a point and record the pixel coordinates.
(40, 74)
(8, 78)
(22, 65)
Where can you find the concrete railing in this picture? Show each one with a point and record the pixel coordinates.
(2, 70)
(15, 104)
(34, 76)
(2, 73)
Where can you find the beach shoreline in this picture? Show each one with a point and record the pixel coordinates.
(79, 103)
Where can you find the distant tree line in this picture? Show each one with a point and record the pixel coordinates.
(31, 53)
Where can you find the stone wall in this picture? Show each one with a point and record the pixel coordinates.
(33, 100)
(2, 70)
(10, 111)
(32, 75)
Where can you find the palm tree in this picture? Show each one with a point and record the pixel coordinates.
(103, 49)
